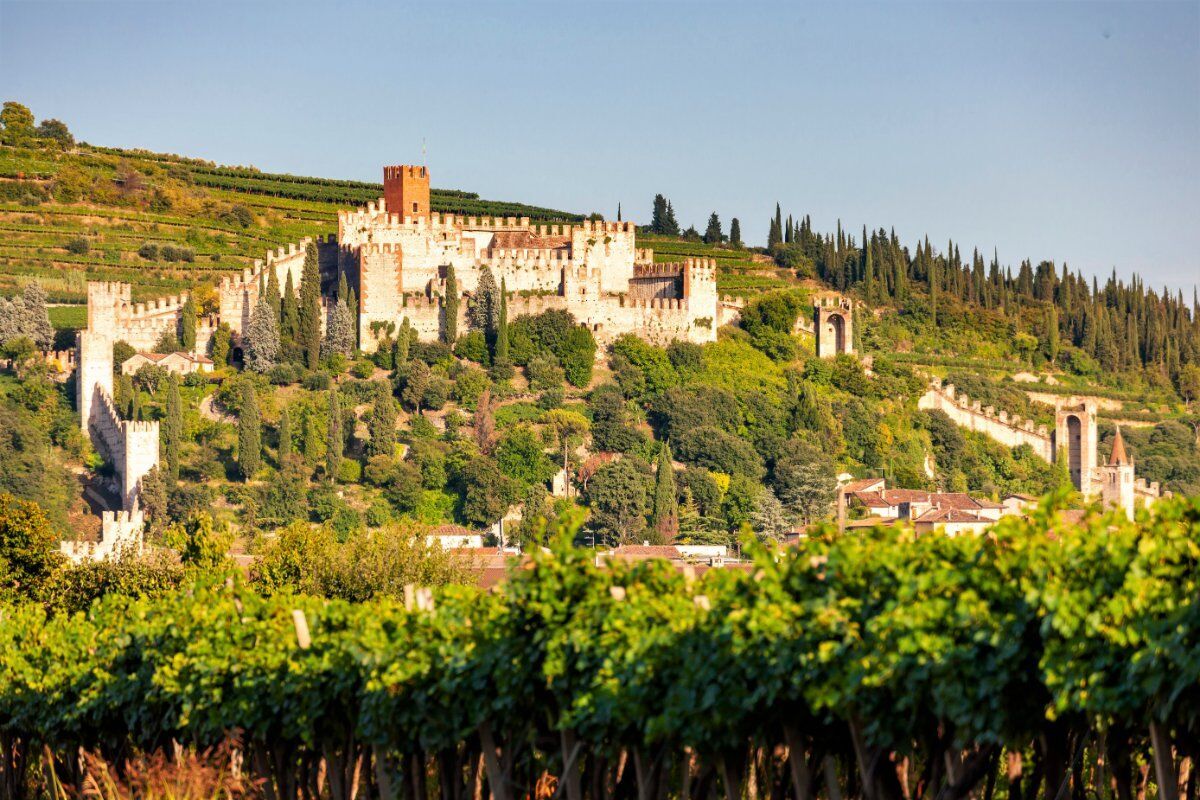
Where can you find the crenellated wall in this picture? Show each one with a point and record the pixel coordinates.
(120, 533)
(238, 295)
(972, 415)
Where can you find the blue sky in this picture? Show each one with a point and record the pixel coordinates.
(1063, 131)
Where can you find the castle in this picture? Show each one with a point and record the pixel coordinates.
(1074, 438)
(400, 254)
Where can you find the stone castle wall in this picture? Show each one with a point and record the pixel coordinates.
(1011, 431)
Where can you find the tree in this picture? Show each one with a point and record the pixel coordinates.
(735, 233)
(617, 496)
(712, 234)
(805, 481)
(334, 440)
(261, 344)
(187, 325)
(484, 311)
(16, 121)
(381, 425)
(415, 385)
(309, 333)
(769, 519)
(221, 344)
(285, 436)
(487, 492)
(1189, 384)
(1051, 341)
(485, 421)
(202, 543)
(339, 338)
(569, 428)
(670, 224)
(172, 430)
(35, 317)
(249, 432)
(56, 131)
(520, 456)
(289, 322)
(666, 512)
(28, 546)
(500, 353)
(450, 308)
(658, 217)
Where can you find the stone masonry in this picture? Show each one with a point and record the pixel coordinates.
(401, 253)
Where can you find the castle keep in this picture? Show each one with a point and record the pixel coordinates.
(402, 252)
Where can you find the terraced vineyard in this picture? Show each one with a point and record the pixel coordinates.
(740, 272)
(164, 223)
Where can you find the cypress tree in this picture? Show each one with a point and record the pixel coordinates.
(135, 406)
(333, 437)
(735, 232)
(658, 217)
(712, 234)
(500, 355)
(261, 345)
(934, 279)
(400, 351)
(666, 512)
(1052, 340)
(249, 432)
(173, 427)
(285, 436)
(274, 296)
(381, 424)
(309, 336)
(450, 308)
(670, 224)
(289, 321)
(187, 325)
(343, 291)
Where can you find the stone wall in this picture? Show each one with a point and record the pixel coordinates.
(120, 532)
(972, 415)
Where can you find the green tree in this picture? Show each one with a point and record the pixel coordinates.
(617, 494)
(309, 334)
(735, 233)
(666, 511)
(450, 308)
(712, 234)
(249, 432)
(202, 543)
(172, 430)
(486, 491)
(381, 425)
(56, 131)
(484, 312)
(187, 325)
(284, 435)
(415, 385)
(500, 352)
(289, 322)
(221, 344)
(521, 456)
(274, 295)
(261, 342)
(16, 120)
(28, 546)
(334, 440)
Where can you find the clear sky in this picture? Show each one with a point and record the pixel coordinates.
(1064, 131)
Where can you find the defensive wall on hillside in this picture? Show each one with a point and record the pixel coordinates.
(1010, 431)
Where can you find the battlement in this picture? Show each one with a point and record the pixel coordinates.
(657, 270)
(1014, 421)
(119, 531)
(834, 302)
(398, 171)
(655, 303)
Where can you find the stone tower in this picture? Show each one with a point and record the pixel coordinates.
(95, 373)
(406, 191)
(834, 320)
(1075, 437)
(1116, 478)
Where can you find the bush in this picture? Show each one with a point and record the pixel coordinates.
(379, 514)
(317, 381)
(436, 394)
(362, 369)
(195, 379)
(148, 251)
(349, 471)
(78, 245)
(431, 352)
(283, 374)
(551, 398)
(472, 347)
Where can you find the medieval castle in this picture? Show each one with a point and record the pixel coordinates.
(399, 254)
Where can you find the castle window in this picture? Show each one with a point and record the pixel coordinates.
(414, 208)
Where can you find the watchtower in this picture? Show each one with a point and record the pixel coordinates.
(834, 327)
(1075, 438)
(406, 191)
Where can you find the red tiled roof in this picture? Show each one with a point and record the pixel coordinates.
(647, 551)
(872, 499)
(452, 530)
(861, 485)
(949, 515)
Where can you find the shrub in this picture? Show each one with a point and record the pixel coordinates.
(283, 374)
(317, 381)
(349, 471)
(472, 347)
(78, 245)
(379, 514)
(362, 369)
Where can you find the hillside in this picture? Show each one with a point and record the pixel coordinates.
(164, 222)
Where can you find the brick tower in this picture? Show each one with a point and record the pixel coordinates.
(406, 191)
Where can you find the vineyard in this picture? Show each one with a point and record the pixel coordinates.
(89, 214)
(1045, 659)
